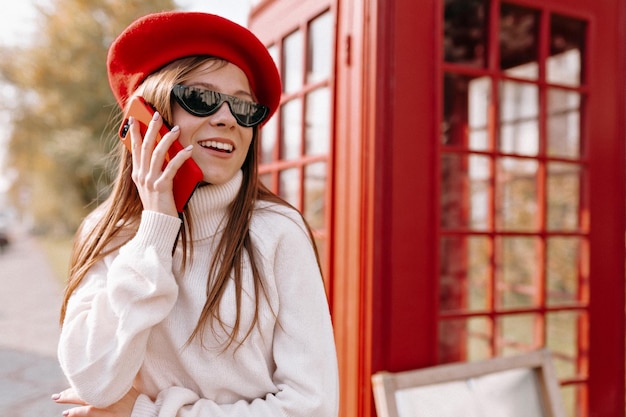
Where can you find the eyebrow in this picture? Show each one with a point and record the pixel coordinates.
(213, 87)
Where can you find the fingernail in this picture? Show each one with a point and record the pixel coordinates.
(66, 413)
(188, 148)
(175, 128)
(131, 120)
(155, 116)
(55, 397)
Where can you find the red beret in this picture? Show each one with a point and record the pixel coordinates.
(155, 40)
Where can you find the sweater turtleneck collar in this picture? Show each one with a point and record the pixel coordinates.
(209, 206)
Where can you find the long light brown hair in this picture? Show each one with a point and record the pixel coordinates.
(121, 212)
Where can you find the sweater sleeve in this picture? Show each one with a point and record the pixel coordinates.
(306, 374)
(109, 316)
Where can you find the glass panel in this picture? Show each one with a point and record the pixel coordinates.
(519, 41)
(465, 191)
(314, 194)
(567, 45)
(563, 333)
(517, 272)
(516, 194)
(291, 119)
(273, 50)
(465, 273)
(565, 258)
(289, 180)
(317, 124)
(466, 111)
(320, 244)
(563, 196)
(518, 334)
(563, 123)
(292, 62)
(465, 32)
(574, 399)
(320, 48)
(519, 115)
(269, 137)
(266, 179)
(465, 339)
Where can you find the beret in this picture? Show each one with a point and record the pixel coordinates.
(153, 41)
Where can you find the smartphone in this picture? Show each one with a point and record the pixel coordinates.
(189, 174)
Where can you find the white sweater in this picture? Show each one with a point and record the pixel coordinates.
(128, 322)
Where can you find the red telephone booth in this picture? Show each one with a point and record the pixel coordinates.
(462, 164)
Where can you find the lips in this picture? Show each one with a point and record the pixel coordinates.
(217, 146)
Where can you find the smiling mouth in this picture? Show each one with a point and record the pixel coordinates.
(217, 146)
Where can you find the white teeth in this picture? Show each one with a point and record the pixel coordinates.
(217, 145)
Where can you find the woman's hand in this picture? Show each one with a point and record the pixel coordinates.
(122, 408)
(154, 181)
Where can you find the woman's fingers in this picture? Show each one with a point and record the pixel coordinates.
(68, 396)
(152, 173)
(122, 408)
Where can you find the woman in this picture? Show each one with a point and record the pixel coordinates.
(218, 311)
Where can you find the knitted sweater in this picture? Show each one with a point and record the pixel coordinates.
(129, 321)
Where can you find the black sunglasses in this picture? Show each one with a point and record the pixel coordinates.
(202, 103)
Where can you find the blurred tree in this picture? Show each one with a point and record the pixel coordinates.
(64, 115)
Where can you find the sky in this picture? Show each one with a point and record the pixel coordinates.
(17, 24)
(17, 17)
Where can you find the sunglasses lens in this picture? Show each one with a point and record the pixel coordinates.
(196, 101)
(247, 113)
(202, 103)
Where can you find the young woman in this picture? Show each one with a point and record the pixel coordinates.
(216, 311)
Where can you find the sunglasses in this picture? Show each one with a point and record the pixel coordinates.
(201, 102)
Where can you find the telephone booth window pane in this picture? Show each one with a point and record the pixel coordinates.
(563, 123)
(292, 63)
(567, 40)
(319, 63)
(516, 194)
(563, 330)
(465, 273)
(269, 138)
(519, 41)
(467, 339)
(291, 119)
(565, 264)
(290, 186)
(575, 399)
(480, 179)
(563, 196)
(465, 32)
(466, 111)
(318, 122)
(519, 118)
(314, 194)
(517, 272)
(466, 191)
(517, 333)
(266, 179)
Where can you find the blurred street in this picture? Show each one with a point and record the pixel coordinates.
(29, 331)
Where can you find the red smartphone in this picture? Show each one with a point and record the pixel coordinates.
(189, 174)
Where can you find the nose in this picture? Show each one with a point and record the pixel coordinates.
(223, 116)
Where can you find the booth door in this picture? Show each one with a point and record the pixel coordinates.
(530, 166)
(296, 143)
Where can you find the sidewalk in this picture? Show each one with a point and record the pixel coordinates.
(30, 298)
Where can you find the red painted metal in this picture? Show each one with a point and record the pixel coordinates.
(384, 225)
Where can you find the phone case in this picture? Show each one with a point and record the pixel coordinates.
(189, 174)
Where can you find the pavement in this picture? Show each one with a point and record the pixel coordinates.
(30, 298)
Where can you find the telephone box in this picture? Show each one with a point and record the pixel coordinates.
(462, 165)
